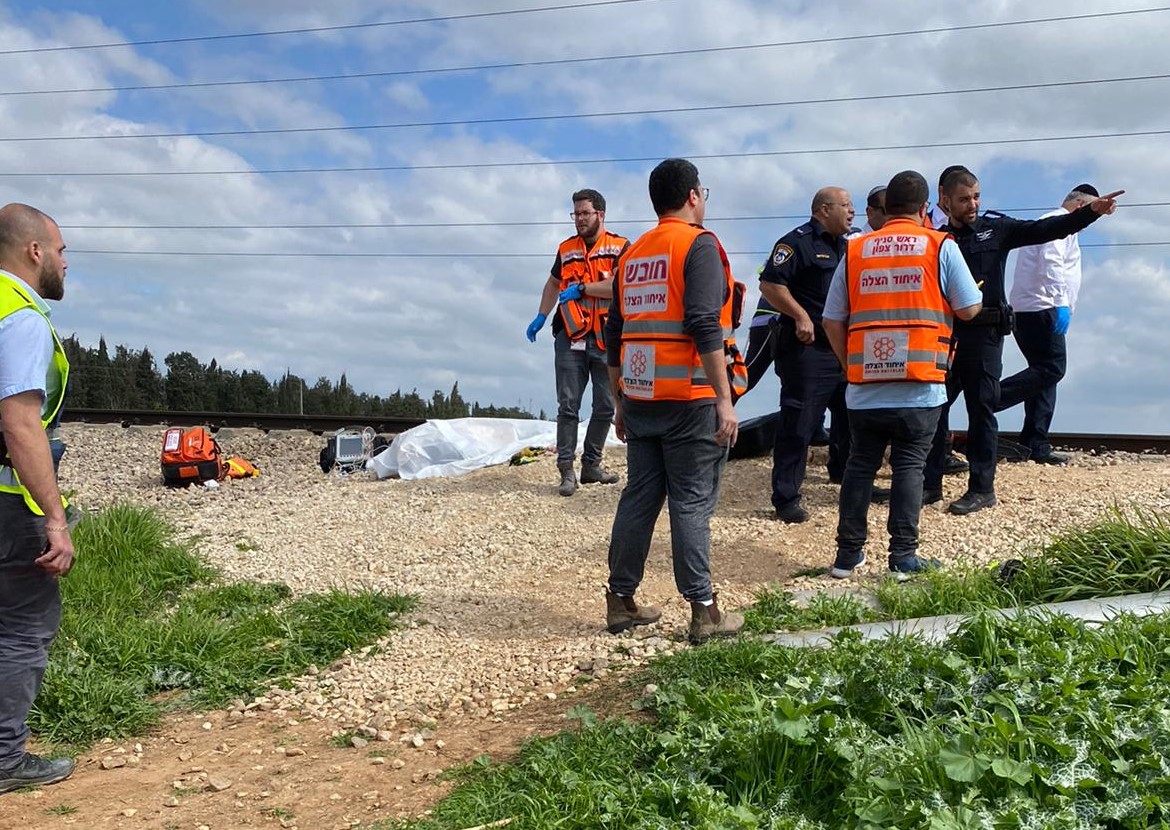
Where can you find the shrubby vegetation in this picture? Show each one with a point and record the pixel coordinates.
(130, 380)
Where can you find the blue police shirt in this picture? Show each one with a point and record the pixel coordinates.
(26, 349)
(803, 260)
(960, 290)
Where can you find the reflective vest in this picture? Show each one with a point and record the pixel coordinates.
(899, 319)
(659, 359)
(585, 265)
(14, 296)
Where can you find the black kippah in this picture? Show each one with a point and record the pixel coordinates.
(1087, 189)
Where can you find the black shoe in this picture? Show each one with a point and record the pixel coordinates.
(953, 465)
(912, 566)
(820, 438)
(792, 513)
(931, 496)
(597, 475)
(970, 502)
(1054, 458)
(880, 495)
(33, 771)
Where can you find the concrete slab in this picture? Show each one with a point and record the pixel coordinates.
(937, 629)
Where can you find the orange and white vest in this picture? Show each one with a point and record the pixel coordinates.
(585, 265)
(899, 320)
(659, 359)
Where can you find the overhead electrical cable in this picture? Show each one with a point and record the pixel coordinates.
(563, 61)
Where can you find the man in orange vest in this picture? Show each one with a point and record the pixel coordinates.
(888, 317)
(582, 282)
(674, 368)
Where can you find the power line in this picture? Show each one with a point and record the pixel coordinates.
(518, 119)
(445, 254)
(416, 225)
(570, 61)
(317, 29)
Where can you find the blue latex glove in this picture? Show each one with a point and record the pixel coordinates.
(573, 292)
(1063, 318)
(536, 325)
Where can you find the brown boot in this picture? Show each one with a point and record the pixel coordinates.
(622, 613)
(597, 475)
(708, 621)
(568, 484)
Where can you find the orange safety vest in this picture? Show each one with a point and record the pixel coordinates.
(899, 320)
(579, 264)
(659, 359)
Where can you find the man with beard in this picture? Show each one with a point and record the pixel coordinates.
(986, 242)
(35, 544)
(582, 282)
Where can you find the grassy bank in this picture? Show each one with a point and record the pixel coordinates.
(144, 621)
(1011, 724)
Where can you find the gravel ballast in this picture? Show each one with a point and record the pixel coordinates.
(511, 575)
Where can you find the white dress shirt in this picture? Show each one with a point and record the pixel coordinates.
(938, 216)
(1047, 275)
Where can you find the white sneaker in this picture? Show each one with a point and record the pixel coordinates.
(845, 573)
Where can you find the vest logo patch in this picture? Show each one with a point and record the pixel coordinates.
(983, 236)
(638, 371)
(886, 355)
(894, 244)
(891, 280)
(646, 269)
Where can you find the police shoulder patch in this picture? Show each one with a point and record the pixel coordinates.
(781, 254)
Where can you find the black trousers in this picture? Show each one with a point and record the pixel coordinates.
(975, 373)
(1035, 387)
(811, 380)
(761, 352)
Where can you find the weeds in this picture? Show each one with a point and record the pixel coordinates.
(141, 617)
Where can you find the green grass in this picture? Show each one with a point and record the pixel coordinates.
(1126, 553)
(1043, 723)
(142, 617)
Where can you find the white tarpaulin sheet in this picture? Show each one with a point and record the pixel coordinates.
(460, 445)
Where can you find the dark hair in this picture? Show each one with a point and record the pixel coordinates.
(954, 168)
(874, 199)
(964, 178)
(671, 183)
(906, 193)
(592, 196)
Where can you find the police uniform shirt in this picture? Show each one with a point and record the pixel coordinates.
(804, 260)
(986, 242)
(26, 347)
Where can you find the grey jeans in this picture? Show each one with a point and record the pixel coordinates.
(574, 369)
(672, 453)
(30, 611)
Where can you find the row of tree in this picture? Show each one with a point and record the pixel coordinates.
(130, 380)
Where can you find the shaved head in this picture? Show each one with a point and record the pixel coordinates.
(31, 248)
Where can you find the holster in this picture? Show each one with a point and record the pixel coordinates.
(1001, 318)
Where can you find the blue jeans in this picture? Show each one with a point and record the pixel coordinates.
(574, 369)
(30, 612)
(909, 433)
(1047, 357)
(672, 452)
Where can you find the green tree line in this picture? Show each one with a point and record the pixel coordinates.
(130, 379)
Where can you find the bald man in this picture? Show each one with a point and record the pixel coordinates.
(35, 544)
(795, 282)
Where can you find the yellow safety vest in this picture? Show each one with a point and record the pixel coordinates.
(14, 296)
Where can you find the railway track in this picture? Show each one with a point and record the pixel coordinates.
(1084, 442)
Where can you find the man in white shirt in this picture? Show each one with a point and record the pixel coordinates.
(1044, 294)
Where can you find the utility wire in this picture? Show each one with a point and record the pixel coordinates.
(445, 254)
(569, 61)
(415, 225)
(518, 119)
(318, 29)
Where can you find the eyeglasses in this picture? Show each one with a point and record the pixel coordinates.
(584, 214)
(705, 192)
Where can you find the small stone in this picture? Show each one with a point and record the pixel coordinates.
(218, 784)
(173, 801)
(113, 763)
(293, 751)
(417, 740)
(378, 761)
(398, 763)
(649, 689)
(128, 812)
(440, 744)
(206, 726)
(358, 742)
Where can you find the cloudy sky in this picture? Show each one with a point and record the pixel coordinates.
(378, 187)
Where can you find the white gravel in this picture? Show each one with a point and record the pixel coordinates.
(511, 575)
